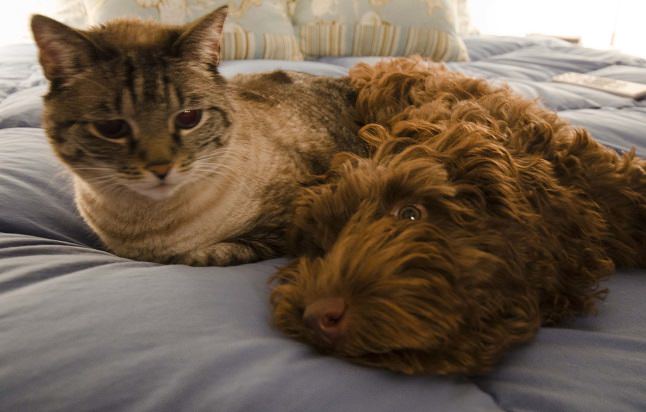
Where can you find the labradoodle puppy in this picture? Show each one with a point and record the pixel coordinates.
(479, 217)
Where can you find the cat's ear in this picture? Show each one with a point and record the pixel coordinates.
(63, 50)
(201, 39)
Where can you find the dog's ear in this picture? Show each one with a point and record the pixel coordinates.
(311, 233)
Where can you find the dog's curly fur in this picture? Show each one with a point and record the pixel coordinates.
(523, 215)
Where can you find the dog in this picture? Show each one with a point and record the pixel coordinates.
(479, 217)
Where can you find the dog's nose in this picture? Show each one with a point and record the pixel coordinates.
(327, 318)
(160, 170)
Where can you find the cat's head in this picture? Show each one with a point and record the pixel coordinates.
(136, 105)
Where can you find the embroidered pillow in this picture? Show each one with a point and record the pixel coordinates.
(255, 29)
(379, 28)
(465, 26)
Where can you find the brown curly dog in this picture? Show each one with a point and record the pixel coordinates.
(480, 217)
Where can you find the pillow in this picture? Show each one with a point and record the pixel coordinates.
(379, 28)
(72, 13)
(465, 26)
(255, 29)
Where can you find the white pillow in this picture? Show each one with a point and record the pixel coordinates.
(379, 28)
(255, 29)
(465, 26)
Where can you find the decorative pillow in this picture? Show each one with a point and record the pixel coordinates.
(255, 29)
(72, 13)
(379, 28)
(465, 26)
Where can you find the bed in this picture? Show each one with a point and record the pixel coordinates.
(82, 329)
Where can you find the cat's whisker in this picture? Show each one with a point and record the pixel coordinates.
(210, 174)
(94, 169)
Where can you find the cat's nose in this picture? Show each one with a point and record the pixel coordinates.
(160, 170)
(326, 317)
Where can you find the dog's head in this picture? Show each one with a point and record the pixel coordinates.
(397, 269)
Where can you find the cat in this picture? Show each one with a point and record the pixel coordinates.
(173, 163)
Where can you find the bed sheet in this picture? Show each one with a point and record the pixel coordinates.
(82, 329)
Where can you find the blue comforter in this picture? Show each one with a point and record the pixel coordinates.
(82, 329)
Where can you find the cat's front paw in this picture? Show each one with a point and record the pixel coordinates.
(220, 254)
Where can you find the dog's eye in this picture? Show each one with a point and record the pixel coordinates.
(410, 212)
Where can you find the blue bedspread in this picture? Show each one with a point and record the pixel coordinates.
(81, 329)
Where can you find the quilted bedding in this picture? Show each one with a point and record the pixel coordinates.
(82, 329)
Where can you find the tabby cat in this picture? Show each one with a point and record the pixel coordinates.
(171, 161)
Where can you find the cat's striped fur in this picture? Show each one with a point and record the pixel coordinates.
(213, 194)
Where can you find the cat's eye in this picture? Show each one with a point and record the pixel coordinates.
(410, 212)
(112, 129)
(188, 119)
